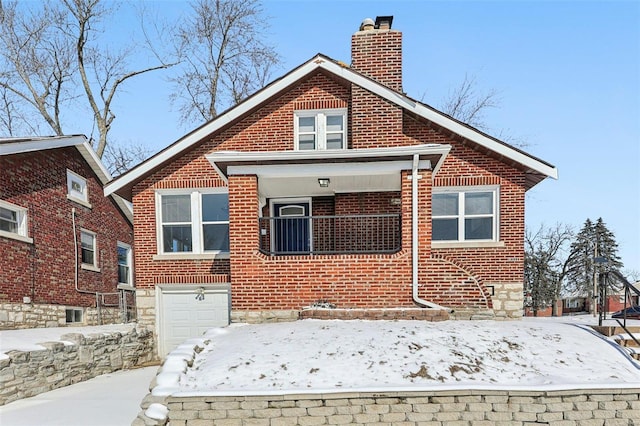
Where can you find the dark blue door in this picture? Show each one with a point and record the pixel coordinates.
(291, 228)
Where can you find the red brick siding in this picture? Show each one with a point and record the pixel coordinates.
(44, 270)
(378, 54)
(453, 277)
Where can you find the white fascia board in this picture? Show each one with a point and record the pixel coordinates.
(39, 144)
(440, 119)
(325, 169)
(94, 161)
(325, 155)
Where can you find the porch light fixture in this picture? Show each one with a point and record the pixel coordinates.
(324, 182)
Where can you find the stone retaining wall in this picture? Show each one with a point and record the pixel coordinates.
(461, 407)
(26, 374)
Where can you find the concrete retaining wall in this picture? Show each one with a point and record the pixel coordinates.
(461, 407)
(25, 374)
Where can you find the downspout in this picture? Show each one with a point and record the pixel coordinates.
(414, 236)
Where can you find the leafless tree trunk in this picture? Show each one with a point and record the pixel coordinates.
(224, 57)
(546, 265)
(50, 58)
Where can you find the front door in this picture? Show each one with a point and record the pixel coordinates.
(291, 228)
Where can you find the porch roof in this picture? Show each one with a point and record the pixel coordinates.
(296, 173)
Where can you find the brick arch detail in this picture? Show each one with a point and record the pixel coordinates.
(453, 284)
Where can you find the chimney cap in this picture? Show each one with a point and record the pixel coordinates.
(367, 24)
(383, 22)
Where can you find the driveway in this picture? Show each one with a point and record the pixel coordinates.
(108, 400)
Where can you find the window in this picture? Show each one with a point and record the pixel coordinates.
(13, 221)
(88, 249)
(73, 315)
(465, 214)
(195, 222)
(320, 129)
(77, 187)
(124, 264)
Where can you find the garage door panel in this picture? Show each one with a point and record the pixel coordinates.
(184, 316)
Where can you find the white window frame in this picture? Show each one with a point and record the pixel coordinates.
(90, 266)
(494, 240)
(22, 223)
(196, 225)
(129, 264)
(321, 127)
(80, 196)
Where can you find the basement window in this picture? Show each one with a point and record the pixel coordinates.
(320, 130)
(73, 315)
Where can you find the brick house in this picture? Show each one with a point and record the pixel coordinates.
(330, 188)
(66, 248)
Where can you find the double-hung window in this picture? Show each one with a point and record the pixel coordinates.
(193, 222)
(465, 214)
(124, 264)
(88, 249)
(319, 130)
(13, 221)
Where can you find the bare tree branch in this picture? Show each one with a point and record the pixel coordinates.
(224, 59)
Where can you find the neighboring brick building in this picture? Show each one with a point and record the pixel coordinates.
(329, 187)
(66, 248)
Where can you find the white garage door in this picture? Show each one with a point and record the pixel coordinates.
(188, 311)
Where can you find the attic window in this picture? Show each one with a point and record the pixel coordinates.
(77, 188)
(320, 130)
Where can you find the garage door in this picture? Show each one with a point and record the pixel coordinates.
(188, 311)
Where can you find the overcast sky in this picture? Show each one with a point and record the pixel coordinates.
(567, 74)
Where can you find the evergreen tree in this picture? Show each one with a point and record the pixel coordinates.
(594, 242)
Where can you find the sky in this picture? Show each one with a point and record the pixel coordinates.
(567, 74)
(534, 354)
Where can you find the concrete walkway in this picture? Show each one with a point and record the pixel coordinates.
(108, 400)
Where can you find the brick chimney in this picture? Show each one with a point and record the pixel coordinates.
(376, 51)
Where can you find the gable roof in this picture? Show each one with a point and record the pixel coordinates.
(536, 169)
(9, 146)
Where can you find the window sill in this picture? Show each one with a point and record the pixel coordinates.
(17, 237)
(79, 201)
(90, 268)
(126, 287)
(466, 244)
(191, 256)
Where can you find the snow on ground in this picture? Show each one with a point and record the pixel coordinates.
(31, 339)
(334, 356)
(109, 400)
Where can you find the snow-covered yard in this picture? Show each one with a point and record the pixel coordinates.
(334, 356)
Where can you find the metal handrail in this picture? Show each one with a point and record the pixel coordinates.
(330, 234)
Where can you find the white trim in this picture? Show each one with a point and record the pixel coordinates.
(325, 63)
(325, 169)
(82, 196)
(22, 145)
(460, 191)
(320, 132)
(332, 154)
(197, 241)
(22, 222)
(120, 244)
(90, 266)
